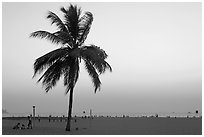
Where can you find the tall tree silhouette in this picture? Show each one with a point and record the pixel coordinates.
(64, 61)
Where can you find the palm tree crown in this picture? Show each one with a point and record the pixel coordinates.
(64, 61)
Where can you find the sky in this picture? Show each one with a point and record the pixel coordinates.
(155, 50)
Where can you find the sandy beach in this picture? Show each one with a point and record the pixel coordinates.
(109, 126)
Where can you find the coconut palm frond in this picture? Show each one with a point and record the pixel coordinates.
(48, 59)
(52, 75)
(97, 57)
(56, 20)
(63, 10)
(47, 35)
(71, 15)
(68, 63)
(95, 51)
(108, 66)
(100, 65)
(84, 26)
(67, 38)
(71, 74)
(94, 75)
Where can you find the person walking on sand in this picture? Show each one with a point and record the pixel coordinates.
(50, 117)
(29, 123)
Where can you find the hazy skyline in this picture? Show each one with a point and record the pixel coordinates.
(154, 50)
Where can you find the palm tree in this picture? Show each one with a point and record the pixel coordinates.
(64, 61)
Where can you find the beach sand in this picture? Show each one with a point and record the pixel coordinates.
(109, 126)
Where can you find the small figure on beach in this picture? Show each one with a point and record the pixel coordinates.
(29, 123)
(156, 115)
(17, 126)
(49, 118)
(63, 117)
(38, 118)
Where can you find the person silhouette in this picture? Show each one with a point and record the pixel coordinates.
(29, 123)
(38, 118)
(50, 117)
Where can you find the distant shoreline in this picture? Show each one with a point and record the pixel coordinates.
(99, 114)
(109, 126)
(44, 117)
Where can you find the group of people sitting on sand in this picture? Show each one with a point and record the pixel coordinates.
(19, 126)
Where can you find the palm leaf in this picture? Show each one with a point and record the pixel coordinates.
(97, 57)
(47, 35)
(56, 20)
(52, 75)
(71, 73)
(47, 60)
(71, 15)
(92, 72)
(95, 51)
(67, 38)
(84, 27)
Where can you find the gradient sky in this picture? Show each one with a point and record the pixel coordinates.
(154, 50)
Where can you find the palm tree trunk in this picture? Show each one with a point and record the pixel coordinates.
(70, 110)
